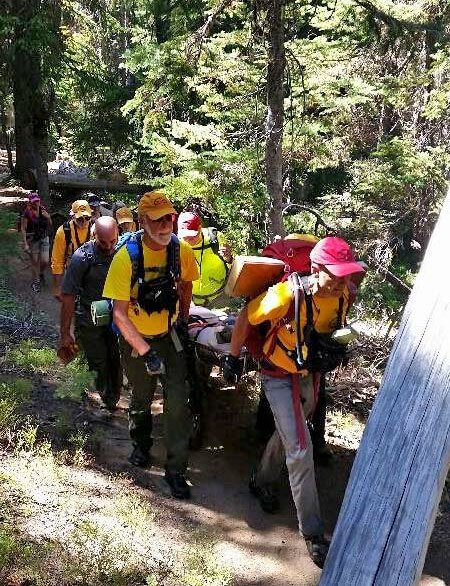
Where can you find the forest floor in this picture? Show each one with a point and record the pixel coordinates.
(76, 512)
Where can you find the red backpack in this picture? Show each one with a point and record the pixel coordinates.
(294, 252)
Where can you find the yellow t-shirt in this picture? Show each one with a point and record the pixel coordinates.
(274, 306)
(118, 283)
(61, 253)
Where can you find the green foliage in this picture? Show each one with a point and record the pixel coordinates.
(78, 442)
(76, 380)
(31, 355)
(9, 417)
(8, 250)
(26, 437)
(13, 393)
(17, 552)
(200, 565)
(366, 115)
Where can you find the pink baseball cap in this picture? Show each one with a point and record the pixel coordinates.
(336, 255)
(188, 224)
(33, 196)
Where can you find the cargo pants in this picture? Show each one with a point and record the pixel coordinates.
(299, 462)
(101, 348)
(177, 416)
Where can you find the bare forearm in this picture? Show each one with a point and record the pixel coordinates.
(23, 231)
(67, 311)
(241, 331)
(185, 299)
(57, 279)
(130, 333)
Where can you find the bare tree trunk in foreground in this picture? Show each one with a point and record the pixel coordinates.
(390, 505)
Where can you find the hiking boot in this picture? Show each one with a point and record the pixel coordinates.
(317, 547)
(178, 485)
(140, 457)
(36, 287)
(266, 495)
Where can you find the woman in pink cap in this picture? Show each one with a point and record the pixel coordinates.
(35, 228)
(291, 366)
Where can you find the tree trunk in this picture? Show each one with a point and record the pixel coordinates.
(389, 508)
(31, 113)
(275, 116)
(162, 13)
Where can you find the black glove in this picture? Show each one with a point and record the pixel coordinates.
(231, 369)
(153, 363)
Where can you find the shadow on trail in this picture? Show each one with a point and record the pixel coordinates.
(219, 472)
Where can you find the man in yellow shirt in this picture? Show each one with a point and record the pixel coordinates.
(68, 238)
(293, 360)
(150, 294)
(213, 256)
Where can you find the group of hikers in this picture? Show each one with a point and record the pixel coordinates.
(125, 298)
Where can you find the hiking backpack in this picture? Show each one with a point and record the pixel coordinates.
(68, 237)
(42, 224)
(294, 252)
(159, 293)
(323, 354)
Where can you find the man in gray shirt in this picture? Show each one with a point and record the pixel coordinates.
(83, 283)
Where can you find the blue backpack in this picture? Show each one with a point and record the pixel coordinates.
(160, 293)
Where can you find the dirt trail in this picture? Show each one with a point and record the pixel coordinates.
(260, 549)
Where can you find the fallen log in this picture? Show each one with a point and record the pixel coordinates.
(75, 182)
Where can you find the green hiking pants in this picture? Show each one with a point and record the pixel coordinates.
(101, 348)
(177, 416)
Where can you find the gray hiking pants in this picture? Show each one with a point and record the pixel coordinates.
(285, 440)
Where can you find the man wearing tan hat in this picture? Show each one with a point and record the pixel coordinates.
(68, 238)
(151, 291)
(125, 221)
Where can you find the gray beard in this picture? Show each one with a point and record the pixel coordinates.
(159, 240)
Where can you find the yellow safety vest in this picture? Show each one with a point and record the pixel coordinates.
(213, 269)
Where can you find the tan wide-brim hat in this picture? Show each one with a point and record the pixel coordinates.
(81, 208)
(124, 215)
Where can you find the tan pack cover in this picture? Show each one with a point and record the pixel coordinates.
(251, 275)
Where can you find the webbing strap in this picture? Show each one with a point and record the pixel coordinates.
(340, 317)
(296, 393)
(140, 271)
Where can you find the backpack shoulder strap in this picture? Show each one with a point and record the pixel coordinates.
(300, 288)
(341, 318)
(309, 326)
(134, 248)
(90, 259)
(174, 257)
(67, 233)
